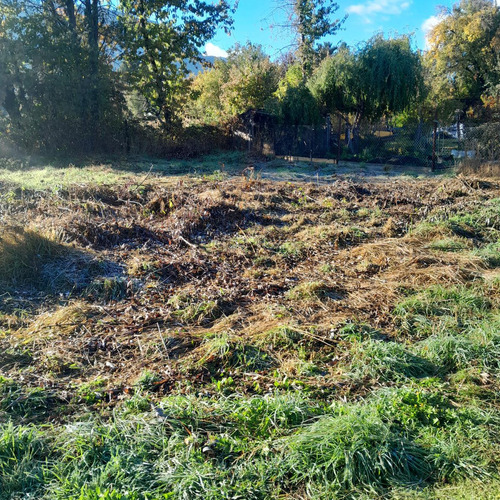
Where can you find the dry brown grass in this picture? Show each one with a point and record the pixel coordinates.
(23, 252)
(481, 169)
(223, 267)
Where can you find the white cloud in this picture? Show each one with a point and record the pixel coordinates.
(429, 24)
(371, 8)
(213, 50)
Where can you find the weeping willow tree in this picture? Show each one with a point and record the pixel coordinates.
(384, 77)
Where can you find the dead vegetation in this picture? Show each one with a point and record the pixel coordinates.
(220, 278)
(211, 338)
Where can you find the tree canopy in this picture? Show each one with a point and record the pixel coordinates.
(464, 54)
(247, 79)
(159, 37)
(383, 77)
(55, 65)
(75, 75)
(310, 21)
(295, 103)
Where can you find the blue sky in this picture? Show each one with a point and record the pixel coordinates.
(254, 20)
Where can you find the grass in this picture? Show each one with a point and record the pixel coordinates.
(387, 361)
(440, 307)
(108, 289)
(221, 351)
(23, 254)
(255, 340)
(448, 245)
(490, 254)
(354, 452)
(38, 175)
(267, 444)
(310, 290)
(52, 177)
(476, 346)
(480, 223)
(192, 310)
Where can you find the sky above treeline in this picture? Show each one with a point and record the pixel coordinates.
(257, 21)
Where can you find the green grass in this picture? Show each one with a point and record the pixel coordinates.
(252, 447)
(447, 245)
(387, 361)
(480, 223)
(193, 310)
(222, 351)
(54, 176)
(490, 254)
(475, 346)
(440, 307)
(355, 451)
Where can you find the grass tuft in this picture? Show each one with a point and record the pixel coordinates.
(387, 361)
(23, 254)
(354, 452)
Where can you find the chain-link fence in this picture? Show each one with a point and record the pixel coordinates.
(431, 144)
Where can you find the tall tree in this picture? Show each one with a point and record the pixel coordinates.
(55, 66)
(246, 80)
(159, 38)
(464, 54)
(295, 102)
(384, 77)
(310, 21)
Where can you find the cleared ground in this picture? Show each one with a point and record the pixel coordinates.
(214, 336)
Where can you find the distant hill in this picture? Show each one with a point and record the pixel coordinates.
(196, 68)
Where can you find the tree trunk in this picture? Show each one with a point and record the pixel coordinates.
(434, 140)
(339, 145)
(11, 103)
(354, 139)
(354, 136)
(70, 12)
(417, 140)
(92, 21)
(163, 113)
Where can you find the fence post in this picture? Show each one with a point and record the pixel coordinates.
(328, 132)
(339, 147)
(434, 137)
(311, 145)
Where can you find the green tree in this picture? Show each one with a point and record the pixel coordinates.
(246, 80)
(55, 72)
(383, 77)
(159, 39)
(310, 21)
(295, 103)
(464, 55)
